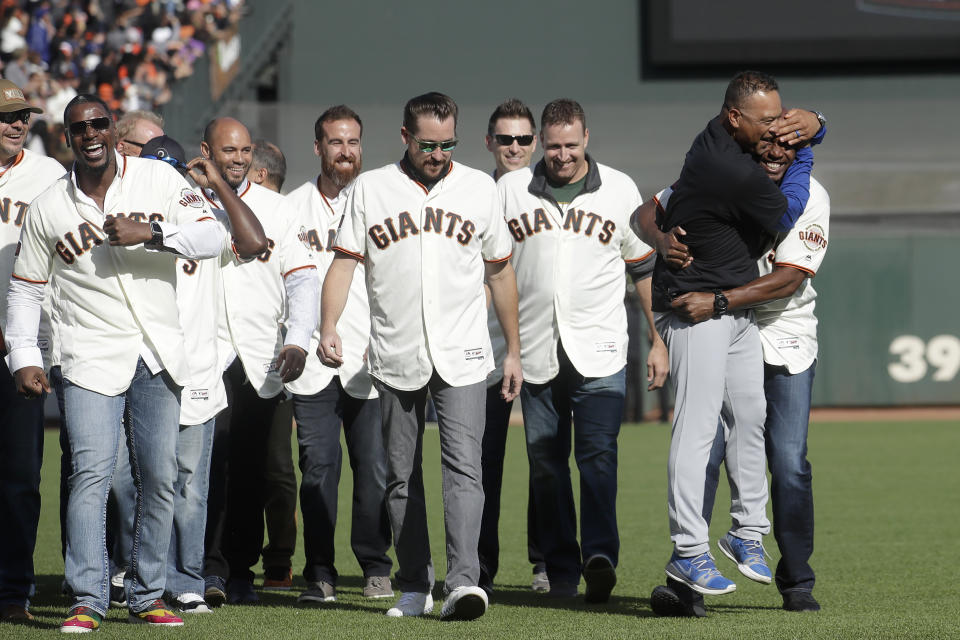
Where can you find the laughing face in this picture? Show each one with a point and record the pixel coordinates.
(774, 158)
(230, 148)
(12, 137)
(93, 146)
(340, 152)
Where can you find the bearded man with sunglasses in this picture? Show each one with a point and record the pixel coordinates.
(23, 176)
(429, 232)
(573, 247)
(106, 235)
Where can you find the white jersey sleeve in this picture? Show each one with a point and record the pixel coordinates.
(804, 246)
(352, 231)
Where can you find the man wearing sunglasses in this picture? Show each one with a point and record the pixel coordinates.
(23, 176)
(429, 232)
(572, 248)
(107, 235)
(135, 129)
(511, 139)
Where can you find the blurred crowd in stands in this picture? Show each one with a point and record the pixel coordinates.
(129, 52)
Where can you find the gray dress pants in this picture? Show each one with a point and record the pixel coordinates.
(717, 368)
(461, 414)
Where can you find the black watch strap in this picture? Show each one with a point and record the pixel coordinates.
(156, 234)
(719, 304)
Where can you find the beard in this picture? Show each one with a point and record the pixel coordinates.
(338, 176)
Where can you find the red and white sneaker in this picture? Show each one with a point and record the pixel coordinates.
(81, 620)
(157, 614)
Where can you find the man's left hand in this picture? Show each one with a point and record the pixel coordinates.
(290, 362)
(512, 378)
(797, 127)
(124, 232)
(694, 307)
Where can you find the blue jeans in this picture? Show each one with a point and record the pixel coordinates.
(494, 450)
(185, 558)
(596, 405)
(95, 429)
(319, 417)
(791, 488)
(21, 452)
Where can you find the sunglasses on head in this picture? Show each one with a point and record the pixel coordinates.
(79, 127)
(170, 160)
(138, 145)
(429, 146)
(12, 116)
(505, 141)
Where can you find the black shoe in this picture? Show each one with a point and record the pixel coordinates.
(677, 600)
(800, 601)
(214, 591)
(241, 592)
(600, 578)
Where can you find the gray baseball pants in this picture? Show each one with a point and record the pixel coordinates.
(461, 415)
(717, 369)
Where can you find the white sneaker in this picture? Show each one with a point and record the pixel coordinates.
(411, 604)
(464, 603)
(191, 603)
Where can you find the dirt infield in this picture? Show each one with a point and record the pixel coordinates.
(877, 414)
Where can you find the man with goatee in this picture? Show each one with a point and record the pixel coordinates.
(324, 398)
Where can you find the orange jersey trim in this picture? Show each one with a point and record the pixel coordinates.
(357, 256)
(245, 190)
(499, 260)
(306, 266)
(641, 258)
(15, 162)
(13, 275)
(810, 272)
(205, 218)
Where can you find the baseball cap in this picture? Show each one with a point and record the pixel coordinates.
(166, 149)
(12, 99)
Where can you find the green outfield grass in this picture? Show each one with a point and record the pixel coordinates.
(887, 559)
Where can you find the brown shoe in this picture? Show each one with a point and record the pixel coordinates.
(16, 614)
(284, 583)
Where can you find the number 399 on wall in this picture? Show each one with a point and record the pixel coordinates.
(940, 355)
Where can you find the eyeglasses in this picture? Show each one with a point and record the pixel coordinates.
(79, 127)
(138, 145)
(12, 116)
(505, 141)
(170, 160)
(429, 146)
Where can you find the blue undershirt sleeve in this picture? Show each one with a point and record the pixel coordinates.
(795, 186)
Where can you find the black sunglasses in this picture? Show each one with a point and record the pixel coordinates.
(79, 127)
(429, 146)
(12, 116)
(505, 141)
(170, 160)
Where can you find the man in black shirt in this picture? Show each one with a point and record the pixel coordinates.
(728, 208)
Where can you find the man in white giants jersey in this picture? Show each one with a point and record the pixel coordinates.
(784, 300)
(258, 359)
(569, 218)
(198, 297)
(23, 176)
(324, 397)
(429, 232)
(511, 138)
(106, 234)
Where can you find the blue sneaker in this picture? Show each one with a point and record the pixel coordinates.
(699, 573)
(749, 556)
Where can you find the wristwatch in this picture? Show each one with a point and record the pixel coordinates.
(719, 304)
(156, 235)
(821, 118)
